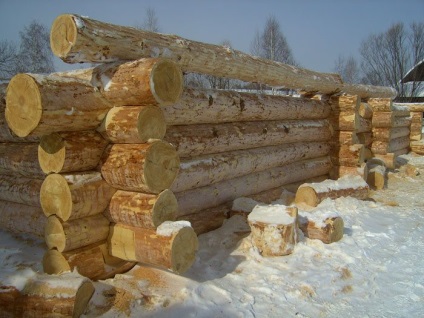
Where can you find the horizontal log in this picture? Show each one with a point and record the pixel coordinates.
(380, 104)
(383, 119)
(208, 169)
(146, 81)
(401, 122)
(133, 124)
(195, 200)
(42, 104)
(20, 159)
(349, 121)
(413, 107)
(321, 226)
(369, 91)
(195, 140)
(386, 134)
(172, 246)
(70, 151)
(312, 194)
(74, 196)
(348, 155)
(416, 131)
(400, 110)
(20, 190)
(149, 168)
(78, 39)
(22, 219)
(198, 106)
(383, 147)
(142, 209)
(417, 147)
(365, 111)
(67, 236)
(345, 103)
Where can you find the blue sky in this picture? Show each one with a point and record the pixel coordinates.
(318, 31)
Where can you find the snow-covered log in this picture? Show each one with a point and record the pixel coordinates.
(195, 140)
(326, 227)
(172, 245)
(20, 189)
(383, 147)
(20, 159)
(133, 124)
(274, 229)
(70, 151)
(312, 194)
(142, 209)
(74, 196)
(42, 104)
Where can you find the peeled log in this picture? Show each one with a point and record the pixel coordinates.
(383, 147)
(70, 151)
(196, 200)
(386, 134)
(195, 140)
(416, 132)
(142, 209)
(345, 155)
(365, 111)
(22, 219)
(349, 121)
(74, 196)
(381, 104)
(274, 229)
(312, 194)
(20, 159)
(401, 122)
(43, 104)
(328, 230)
(369, 91)
(172, 246)
(20, 189)
(149, 168)
(413, 107)
(78, 39)
(208, 169)
(417, 147)
(133, 124)
(401, 110)
(198, 106)
(67, 236)
(383, 119)
(345, 103)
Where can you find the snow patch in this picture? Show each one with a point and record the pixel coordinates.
(271, 214)
(169, 228)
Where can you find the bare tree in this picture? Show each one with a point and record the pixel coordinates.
(216, 82)
(35, 55)
(151, 22)
(348, 68)
(8, 53)
(387, 57)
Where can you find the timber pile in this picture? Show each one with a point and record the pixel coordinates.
(417, 111)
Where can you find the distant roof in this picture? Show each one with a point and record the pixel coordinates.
(416, 74)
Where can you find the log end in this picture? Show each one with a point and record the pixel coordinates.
(51, 153)
(184, 248)
(54, 263)
(63, 35)
(151, 124)
(306, 196)
(56, 197)
(165, 208)
(82, 297)
(337, 229)
(161, 166)
(54, 234)
(166, 81)
(23, 105)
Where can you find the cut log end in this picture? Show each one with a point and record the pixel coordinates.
(55, 263)
(23, 105)
(82, 298)
(161, 166)
(56, 197)
(51, 153)
(167, 82)
(63, 35)
(184, 248)
(165, 208)
(54, 234)
(151, 124)
(306, 196)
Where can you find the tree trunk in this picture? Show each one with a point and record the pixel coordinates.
(133, 124)
(345, 103)
(196, 140)
(141, 209)
(77, 39)
(365, 111)
(149, 168)
(312, 194)
(345, 155)
(75, 196)
(417, 147)
(274, 229)
(22, 219)
(383, 147)
(20, 159)
(70, 151)
(216, 106)
(208, 169)
(172, 246)
(326, 229)
(382, 120)
(67, 236)
(381, 104)
(20, 190)
(386, 134)
(192, 201)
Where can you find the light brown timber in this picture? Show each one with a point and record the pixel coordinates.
(41, 104)
(67, 236)
(345, 103)
(20, 159)
(417, 147)
(393, 145)
(386, 134)
(149, 168)
(383, 119)
(348, 155)
(328, 231)
(70, 151)
(365, 111)
(381, 104)
(20, 189)
(349, 121)
(337, 172)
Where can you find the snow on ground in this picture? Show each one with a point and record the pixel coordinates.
(376, 270)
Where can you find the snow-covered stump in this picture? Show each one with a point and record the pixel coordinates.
(311, 194)
(326, 227)
(274, 229)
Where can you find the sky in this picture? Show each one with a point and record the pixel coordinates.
(318, 31)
